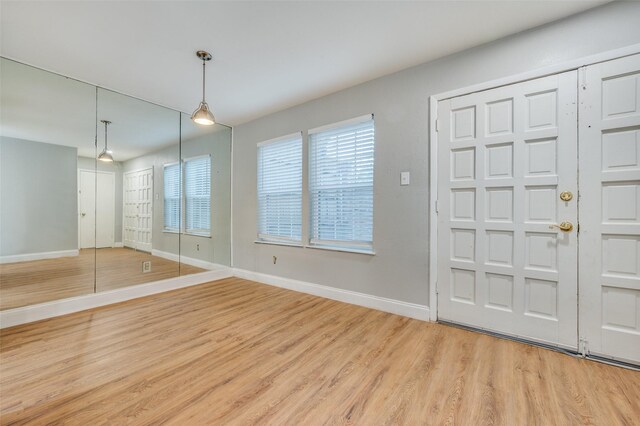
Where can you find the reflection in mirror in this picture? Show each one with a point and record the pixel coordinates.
(142, 138)
(206, 160)
(47, 218)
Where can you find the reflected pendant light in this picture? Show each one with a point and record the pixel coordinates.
(106, 155)
(203, 115)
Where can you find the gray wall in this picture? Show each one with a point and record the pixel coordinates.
(217, 248)
(399, 270)
(160, 240)
(86, 163)
(38, 187)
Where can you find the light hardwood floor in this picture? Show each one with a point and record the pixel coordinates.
(38, 281)
(238, 352)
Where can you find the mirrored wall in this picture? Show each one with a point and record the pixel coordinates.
(100, 191)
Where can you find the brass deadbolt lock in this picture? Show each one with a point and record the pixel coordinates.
(566, 196)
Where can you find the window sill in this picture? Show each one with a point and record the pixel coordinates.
(343, 249)
(168, 231)
(278, 243)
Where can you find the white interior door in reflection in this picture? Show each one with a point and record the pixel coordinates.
(138, 209)
(96, 205)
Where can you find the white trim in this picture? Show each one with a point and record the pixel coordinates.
(289, 137)
(118, 244)
(230, 200)
(433, 217)
(38, 256)
(355, 120)
(433, 137)
(188, 260)
(411, 310)
(280, 243)
(16, 316)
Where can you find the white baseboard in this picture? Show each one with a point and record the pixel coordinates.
(188, 260)
(16, 316)
(119, 244)
(38, 256)
(393, 306)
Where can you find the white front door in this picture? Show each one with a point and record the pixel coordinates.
(97, 209)
(504, 157)
(138, 209)
(610, 208)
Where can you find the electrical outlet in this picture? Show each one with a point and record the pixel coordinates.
(275, 259)
(405, 178)
(197, 247)
(146, 266)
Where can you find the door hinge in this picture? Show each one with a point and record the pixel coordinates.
(583, 347)
(437, 124)
(436, 206)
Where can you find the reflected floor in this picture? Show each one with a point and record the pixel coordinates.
(38, 281)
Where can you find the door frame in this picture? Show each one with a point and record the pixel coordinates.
(114, 204)
(574, 64)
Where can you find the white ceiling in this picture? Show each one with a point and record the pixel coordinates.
(267, 55)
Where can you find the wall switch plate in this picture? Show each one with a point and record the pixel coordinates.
(146, 266)
(405, 178)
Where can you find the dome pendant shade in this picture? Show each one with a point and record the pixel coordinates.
(106, 156)
(203, 115)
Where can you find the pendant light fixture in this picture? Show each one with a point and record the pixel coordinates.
(106, 155)
(203, 115)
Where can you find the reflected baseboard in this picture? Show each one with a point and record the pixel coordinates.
(118, 245)
(38, 256)
(188, 260)
(26, 314)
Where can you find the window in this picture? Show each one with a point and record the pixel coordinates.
(280, 190)
(341, 185)
(197, 202)
(172, 197)
(197, 189)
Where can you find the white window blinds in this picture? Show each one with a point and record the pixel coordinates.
(280, 190)
(172, 197)
(197, 177)
(341, 185)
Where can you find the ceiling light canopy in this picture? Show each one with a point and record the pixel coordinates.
(106, 155)
(203, 114)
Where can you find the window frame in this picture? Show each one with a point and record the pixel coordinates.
(182, 229)
(166, 228)
(266, 238)
(341, 245)
(197, 232)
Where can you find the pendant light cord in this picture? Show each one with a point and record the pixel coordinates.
(204, 63)
(105, 136)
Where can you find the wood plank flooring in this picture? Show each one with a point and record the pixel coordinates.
(238, 352)
(38, 281)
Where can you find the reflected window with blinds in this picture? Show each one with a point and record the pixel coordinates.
(341, 160)
(280, 190)
(197, 189)
(172, 197)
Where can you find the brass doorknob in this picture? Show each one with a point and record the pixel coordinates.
(566, 196)
(564, 226)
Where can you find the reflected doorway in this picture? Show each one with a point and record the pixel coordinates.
(96, 218)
